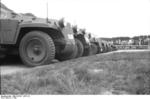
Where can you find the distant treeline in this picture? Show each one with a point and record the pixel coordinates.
(136, 40)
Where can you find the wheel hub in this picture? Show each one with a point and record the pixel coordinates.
(36, 50)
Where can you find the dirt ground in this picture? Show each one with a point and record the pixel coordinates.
(119, 72)
(13, 66)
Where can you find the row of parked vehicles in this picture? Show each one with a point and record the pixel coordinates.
(38, 41)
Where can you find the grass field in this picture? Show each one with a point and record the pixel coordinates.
(113, 73)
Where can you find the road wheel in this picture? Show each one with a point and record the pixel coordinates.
(37, 48)
(94, 49)
(80, 48)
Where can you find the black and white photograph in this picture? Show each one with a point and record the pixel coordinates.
(74, 47)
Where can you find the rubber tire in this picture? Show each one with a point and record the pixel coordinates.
(87, 51)
(2, 55)
(2, 58)
(101, 49)
(94, 49)
(105, 49)
(75, 52)
(64, 57)
(49, 44)
(80, 48)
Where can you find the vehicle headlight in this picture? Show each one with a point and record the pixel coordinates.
(70, 36)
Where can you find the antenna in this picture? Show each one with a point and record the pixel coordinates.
(47, 11)
(0, 13)
(0, 9)
(0, 20)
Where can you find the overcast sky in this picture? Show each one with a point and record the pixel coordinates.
(104, 18)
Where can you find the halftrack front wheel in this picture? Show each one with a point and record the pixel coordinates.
(2, 57)
(80, 48)
(67, 56)
(37, 48)
(87, 51)
(94, 49)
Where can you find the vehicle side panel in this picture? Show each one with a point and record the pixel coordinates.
(8, 30)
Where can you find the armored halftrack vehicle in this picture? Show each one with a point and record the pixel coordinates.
(95, 48)
(100, 45)
(113, 47)
(105, 46)
(36, 40)
(82, 40)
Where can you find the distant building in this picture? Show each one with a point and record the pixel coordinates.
(124, 42)
(130, 42)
